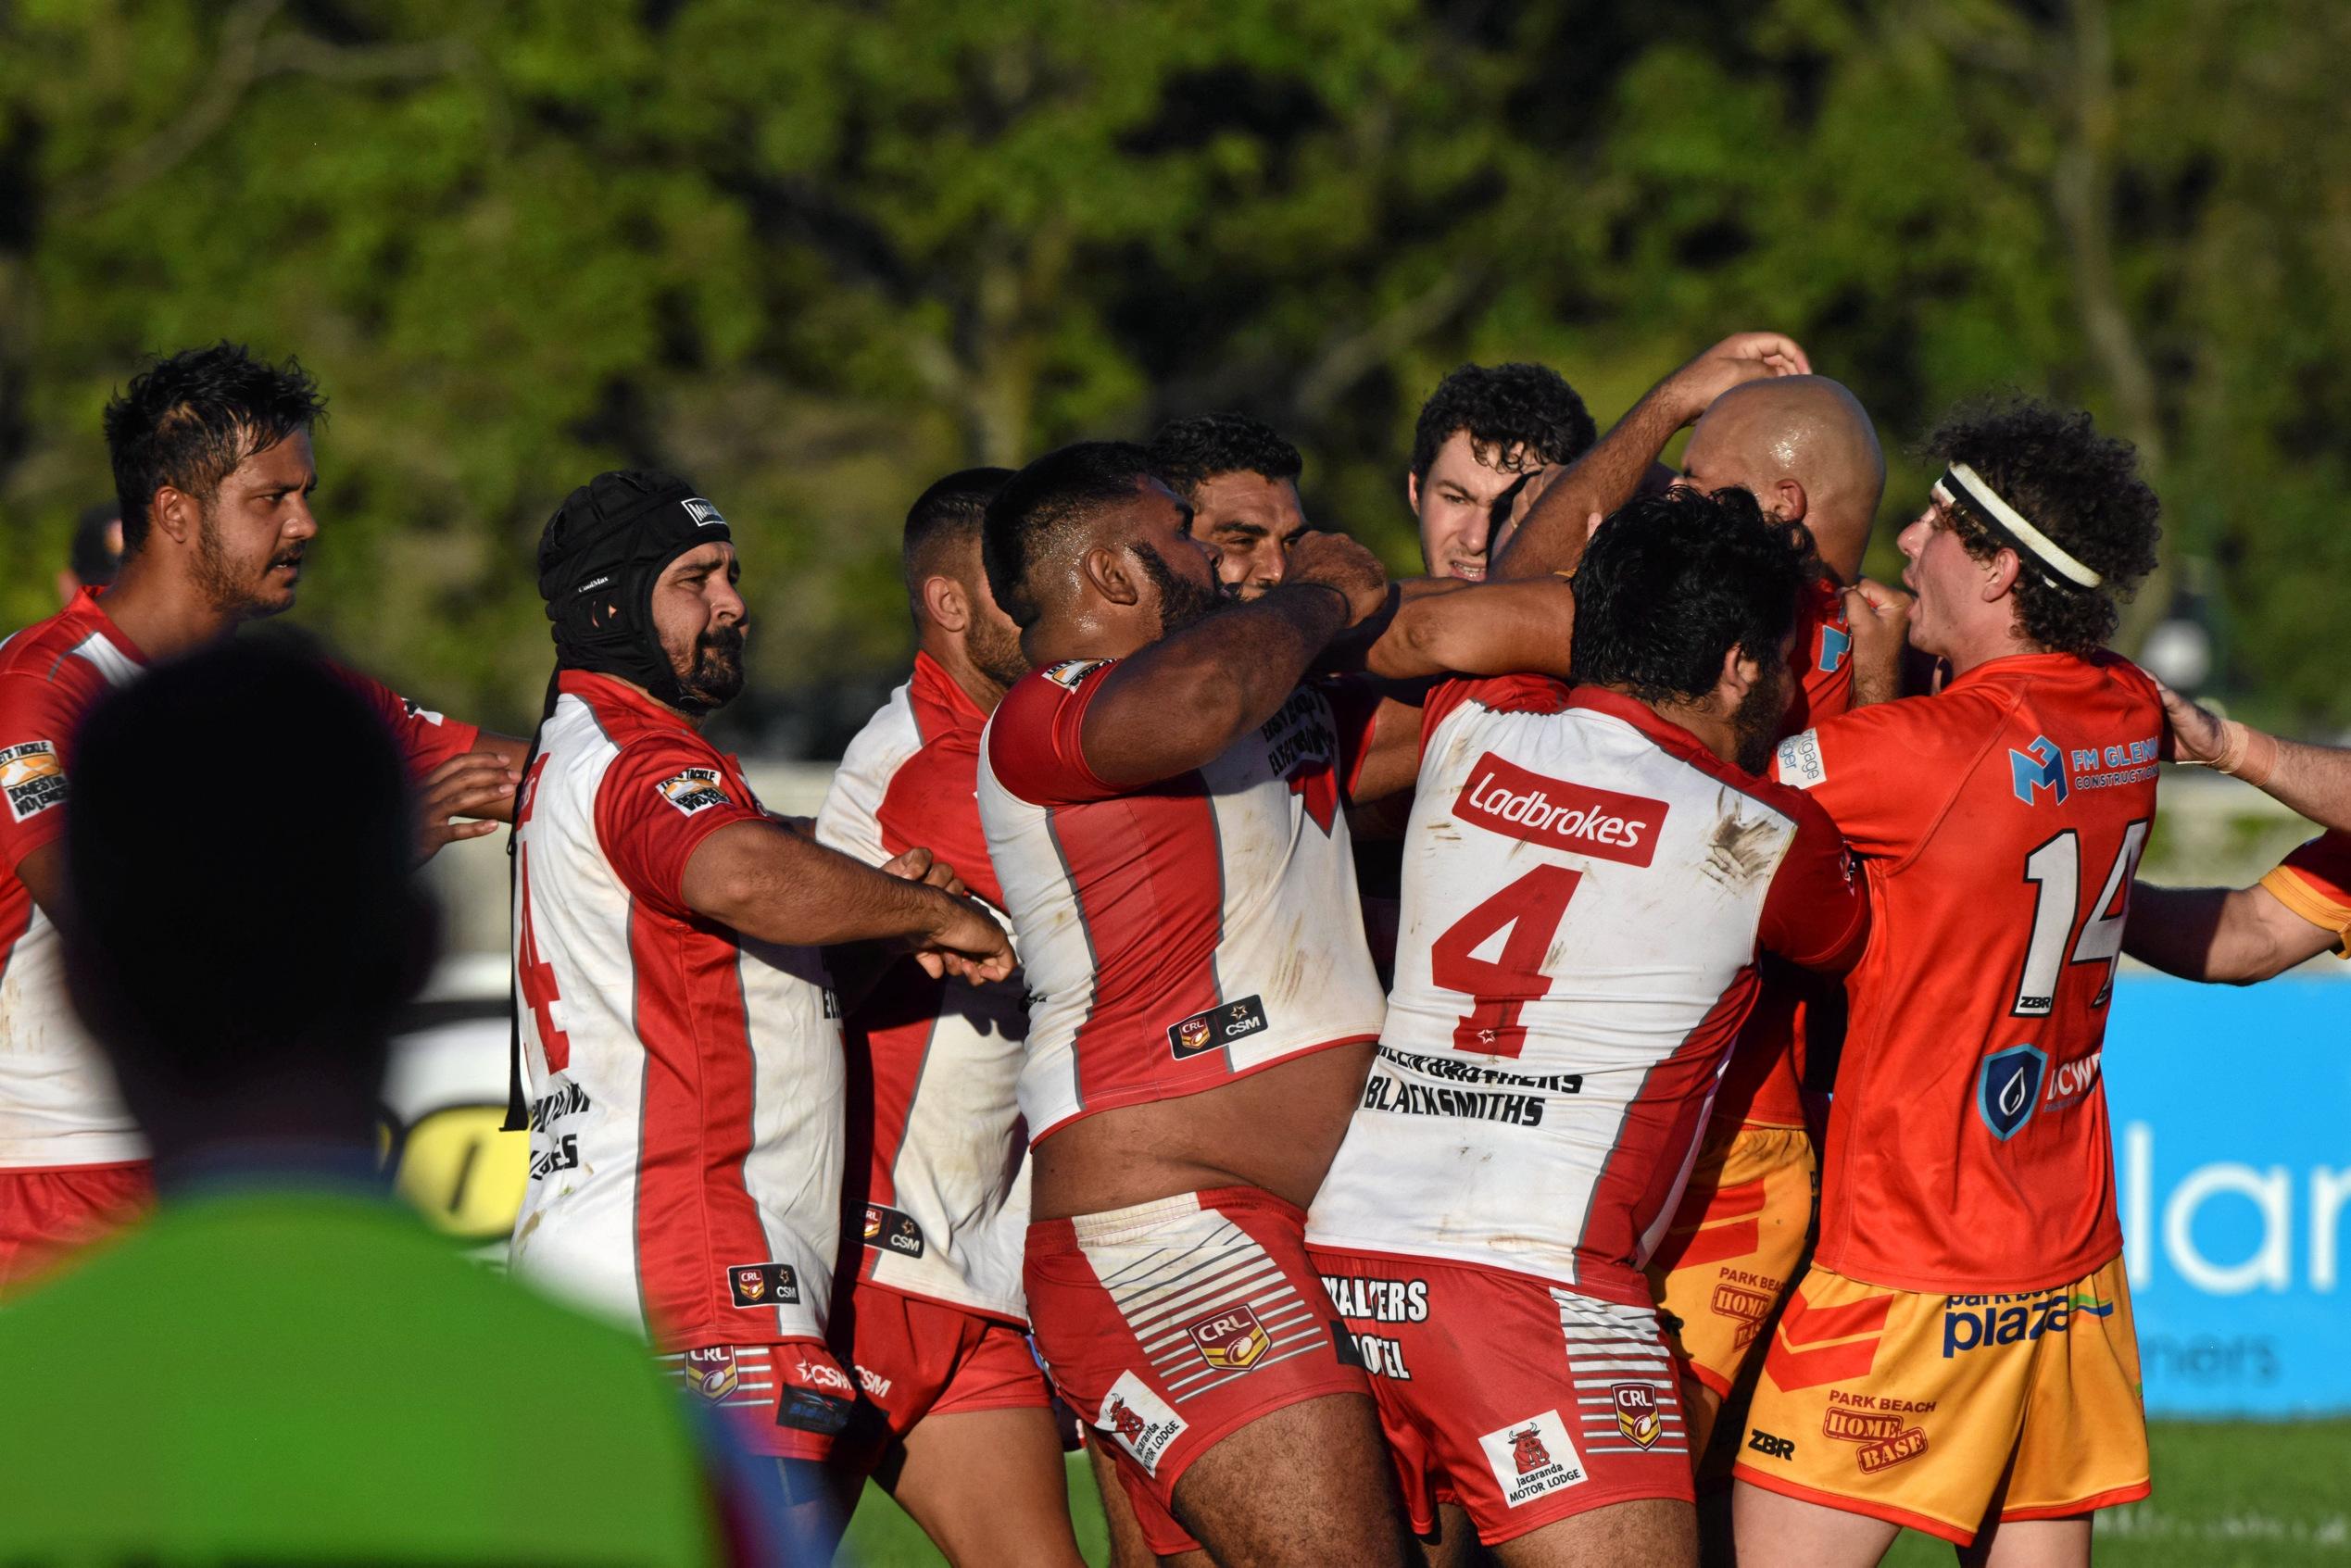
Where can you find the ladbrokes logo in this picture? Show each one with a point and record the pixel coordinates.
(1506, 798)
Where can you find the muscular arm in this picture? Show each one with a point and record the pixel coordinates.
(1552, 537)
(2236, 935)
(1182, 700)
(1478, 628)
(43, 873)
(2312, 780)
(772, 885)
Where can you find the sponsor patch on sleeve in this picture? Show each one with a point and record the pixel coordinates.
(763, 1285)
(1142, 1423)
(32, 778)
(694, 790)
(893, 1230)
(1069, 671)
(1533, 1458)
(1799, 763)
(1220, 1026)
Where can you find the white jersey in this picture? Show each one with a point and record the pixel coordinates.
(686, 1082)
(947, 1196)
(1185, 934)
(1586, 888)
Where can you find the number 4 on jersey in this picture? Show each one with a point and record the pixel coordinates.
(1531, 910)
(2054, 871)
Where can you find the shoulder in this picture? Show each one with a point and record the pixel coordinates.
(1499, 694)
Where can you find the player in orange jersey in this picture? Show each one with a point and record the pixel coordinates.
(1958, 1357)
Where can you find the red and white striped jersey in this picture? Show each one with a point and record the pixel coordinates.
(1182, 934)
(58, 1105)
(1586, 889)
(947, 1207)
(685, 1081)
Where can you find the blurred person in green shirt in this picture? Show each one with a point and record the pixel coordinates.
(282, 1366)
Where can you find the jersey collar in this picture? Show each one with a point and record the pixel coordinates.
(87, 606)
(1668, 736)
(593, 686)
(934, 688)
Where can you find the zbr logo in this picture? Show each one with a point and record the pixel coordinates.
(2010, 1088)
(2040, 766)
(1834, 645)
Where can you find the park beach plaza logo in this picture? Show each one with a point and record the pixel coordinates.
(1506, 798)
(1533, 1458)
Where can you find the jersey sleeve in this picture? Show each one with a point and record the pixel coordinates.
(36, 725)
(931, 804)
(427, 739)
(1884, 774)
(2315, 883)
(655, 804)
(1034, 743)
(1817, 914)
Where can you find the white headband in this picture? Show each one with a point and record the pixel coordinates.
(1962, 487)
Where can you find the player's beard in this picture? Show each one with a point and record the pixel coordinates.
(1181, 600)
(993, 646)
(717, 676)
(1754, 724)
(229, 590)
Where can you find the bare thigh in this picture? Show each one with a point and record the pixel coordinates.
(987, 1486)
(2031, 1543)
(1128, 1549)
(1647, 1533)
(1773, 1531)
(1306, 1485)
(1456, 1545)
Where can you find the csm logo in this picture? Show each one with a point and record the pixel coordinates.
(2040, 766)
(2008, 1089)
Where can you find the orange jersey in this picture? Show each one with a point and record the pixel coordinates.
(1762, 1086)
(2000, 824)
(2315, 883)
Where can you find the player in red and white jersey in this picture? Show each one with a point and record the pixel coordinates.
(1590, 877)
(1240, 479)
(937, 1182)
(681, 1038)
(1163, 805)
(1958, 1356)
(1803, 446)
(212, 457)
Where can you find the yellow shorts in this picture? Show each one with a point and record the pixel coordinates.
(1733, 1246)
(1942, 1412)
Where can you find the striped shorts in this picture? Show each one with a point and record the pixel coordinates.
(1169, 1325)
(1520, 1400)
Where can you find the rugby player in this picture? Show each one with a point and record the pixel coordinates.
(1958, 1356)
(213, 470)
(682, 1040)
(937, 1180)
(1590, 874)
(2300, 910)
(1164, 808)
(1803, 448)
(1485, 433)
(1240, 479)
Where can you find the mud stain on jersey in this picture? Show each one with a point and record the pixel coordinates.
(1740, 849)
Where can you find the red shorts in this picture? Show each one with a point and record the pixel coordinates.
(46, 1214)
(1524, 1402)
(787, 1400)
(1169, 1325)
(917, 1359)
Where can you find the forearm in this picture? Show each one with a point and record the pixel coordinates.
(1482, 628)
(1181, 701)
(2231, 935)
(768, 883)
(1552, 537)
(2314, 781)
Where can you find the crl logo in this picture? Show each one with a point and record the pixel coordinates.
(1834, 645)
(2039, 766)
(2009, 1089)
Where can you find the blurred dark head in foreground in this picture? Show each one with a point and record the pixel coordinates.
(241, 919)
(96, 554)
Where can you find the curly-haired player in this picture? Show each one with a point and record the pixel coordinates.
(1241, 479)
(1958, 1358)
(1483, 433)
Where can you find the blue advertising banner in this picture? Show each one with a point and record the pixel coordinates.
(2232, 1158)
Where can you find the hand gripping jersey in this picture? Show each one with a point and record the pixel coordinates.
(2315, 883)
(1182, 934)
(948, 1204)
(685, 1081)
(57, 1102)
(2000, 824)
(1586, 888)
(1762, 1086)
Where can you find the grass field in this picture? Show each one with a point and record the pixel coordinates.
(2248, 1494)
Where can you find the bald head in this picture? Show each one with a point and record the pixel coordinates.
(1805, 448)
